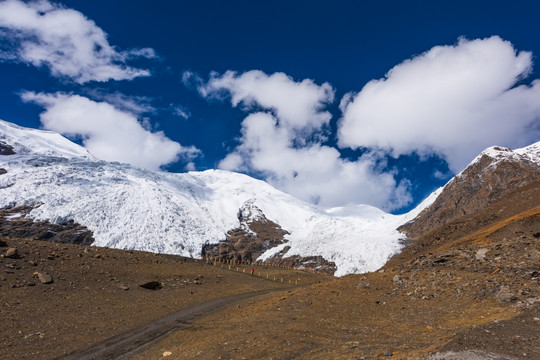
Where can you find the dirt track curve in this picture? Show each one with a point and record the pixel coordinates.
(128, 344)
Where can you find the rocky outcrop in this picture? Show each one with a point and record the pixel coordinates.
(492, 175)
(14, 223)
(6, 149)
(254, 236)
(315, 263)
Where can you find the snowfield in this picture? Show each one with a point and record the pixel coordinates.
(130, 208)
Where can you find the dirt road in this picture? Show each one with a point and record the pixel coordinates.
(126, 345)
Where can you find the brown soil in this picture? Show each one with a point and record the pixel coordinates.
(96, 293)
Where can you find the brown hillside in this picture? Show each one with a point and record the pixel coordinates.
(481, 184)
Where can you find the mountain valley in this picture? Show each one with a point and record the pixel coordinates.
(456, 278)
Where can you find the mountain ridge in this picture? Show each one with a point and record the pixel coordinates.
(130, 208)
(494, 173)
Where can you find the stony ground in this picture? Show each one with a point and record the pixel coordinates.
(358, 317)
(95, 293)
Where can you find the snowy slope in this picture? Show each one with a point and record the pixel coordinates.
(32, 141)
(529, 154)
(131, 208)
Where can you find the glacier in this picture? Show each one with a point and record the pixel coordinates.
(177, 213)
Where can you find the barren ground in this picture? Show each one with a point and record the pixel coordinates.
(469, 290)
(96, 294)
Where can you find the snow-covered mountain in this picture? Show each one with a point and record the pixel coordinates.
(130, 208)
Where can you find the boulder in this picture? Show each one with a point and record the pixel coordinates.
(44, 278)
(12, 253)
(152, 285)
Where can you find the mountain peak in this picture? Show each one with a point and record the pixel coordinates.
(494, 173)
(26, 141)
(529, 153)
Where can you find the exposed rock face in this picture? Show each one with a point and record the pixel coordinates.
(317, 263)
(494, 173)
(512, 221)
(254, 236)
(14, 223)
(6, 149)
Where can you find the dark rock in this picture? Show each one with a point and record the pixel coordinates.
(3, 171)
(254, 236)
(152, 285)
(6, 149)
(3, 243)
(26, 228)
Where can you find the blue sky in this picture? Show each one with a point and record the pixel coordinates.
(337, 103)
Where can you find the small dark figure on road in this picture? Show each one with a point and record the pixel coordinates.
(252, 271)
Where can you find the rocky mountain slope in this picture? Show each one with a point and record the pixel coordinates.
(130, 208)
(494, 173)
(469, 289)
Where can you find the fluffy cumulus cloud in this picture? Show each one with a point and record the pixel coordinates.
(283, 141)
(42, 33)
(297, 105)
(453, 101)
(107, 132)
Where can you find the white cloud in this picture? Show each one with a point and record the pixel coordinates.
(282, 140)
(42, 33)
(314, 172)
(137, 105)
(107, 132)
(452, 100)
(180, 111)
(297, 105)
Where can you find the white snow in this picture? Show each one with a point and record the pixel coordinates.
(529, 153)
(28, 141)
(161, 212)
